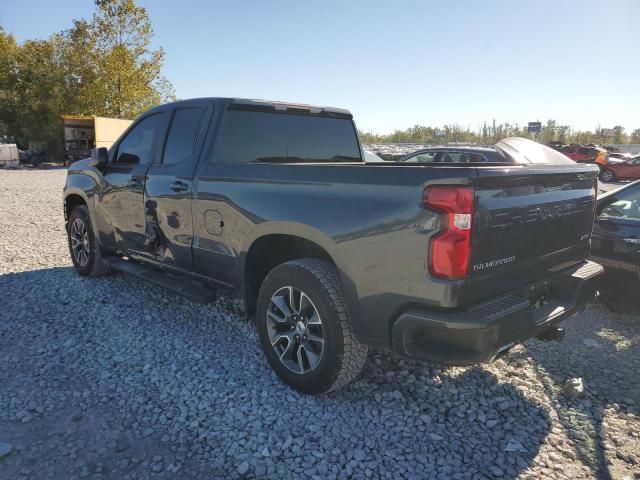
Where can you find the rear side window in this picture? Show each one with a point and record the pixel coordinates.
(136, 147)
(183, 133)
(265, 137)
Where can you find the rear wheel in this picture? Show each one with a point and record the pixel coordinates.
(83, 244)
(305, 329)
(607, 176)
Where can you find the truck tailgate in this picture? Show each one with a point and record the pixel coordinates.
(530, 221)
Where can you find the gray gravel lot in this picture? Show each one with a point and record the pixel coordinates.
(112, 378)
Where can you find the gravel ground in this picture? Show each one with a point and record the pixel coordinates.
(112, 378)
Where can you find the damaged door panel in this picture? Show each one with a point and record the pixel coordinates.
(121, 220)
(169, 187)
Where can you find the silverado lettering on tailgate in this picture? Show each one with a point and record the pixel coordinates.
(493, 263)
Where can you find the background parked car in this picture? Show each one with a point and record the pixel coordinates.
(455, 154)
(619, 156)
(615, 243)
(625, 170)
(587, 154)
(9, 155)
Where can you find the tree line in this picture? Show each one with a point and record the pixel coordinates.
(104, 66)
(490, 133)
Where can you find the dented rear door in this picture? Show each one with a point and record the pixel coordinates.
(169, 186)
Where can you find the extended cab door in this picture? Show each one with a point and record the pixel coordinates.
(169, 185)
(120, 200)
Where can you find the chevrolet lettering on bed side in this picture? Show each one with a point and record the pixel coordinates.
(548, 211)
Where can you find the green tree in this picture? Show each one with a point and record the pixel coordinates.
(8, 79)
(618, 134)
(126, 74)
(104, 67)
(30, 88)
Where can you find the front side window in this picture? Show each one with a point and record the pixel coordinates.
(137, 146)
(625, 205)
(182, 136)
(265, 137)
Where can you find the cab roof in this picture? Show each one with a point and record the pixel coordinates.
(264, 105)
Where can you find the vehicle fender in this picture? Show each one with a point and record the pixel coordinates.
(85, 187)
(321, 239)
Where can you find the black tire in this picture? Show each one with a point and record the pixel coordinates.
(342, 356)
(91, 263)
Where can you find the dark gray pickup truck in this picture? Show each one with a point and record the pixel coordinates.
(449, 262)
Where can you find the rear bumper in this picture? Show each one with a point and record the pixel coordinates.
(486, 329)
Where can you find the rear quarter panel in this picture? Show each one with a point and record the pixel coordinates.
(369, 219)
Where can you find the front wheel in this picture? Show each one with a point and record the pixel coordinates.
(83, 244)
(304, 327)
(607, 176)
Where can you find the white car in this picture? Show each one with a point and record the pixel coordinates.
(9, 156)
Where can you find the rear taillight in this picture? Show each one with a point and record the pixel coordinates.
(450, 249)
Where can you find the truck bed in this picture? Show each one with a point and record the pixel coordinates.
(371, 221)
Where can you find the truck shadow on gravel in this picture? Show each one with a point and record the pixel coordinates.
(460, 422)
(607, 359)
(187, 386)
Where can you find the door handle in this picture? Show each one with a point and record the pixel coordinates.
(635, 241)
(179, 186)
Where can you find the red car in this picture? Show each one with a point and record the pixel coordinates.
(627, 170)
(587, 154)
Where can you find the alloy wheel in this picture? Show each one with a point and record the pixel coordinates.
(79, 236)
(295, 330)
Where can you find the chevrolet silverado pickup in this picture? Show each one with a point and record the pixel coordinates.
(452, 262)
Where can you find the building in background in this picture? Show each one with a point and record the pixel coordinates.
(81, 134)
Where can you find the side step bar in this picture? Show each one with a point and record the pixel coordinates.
(191, 289)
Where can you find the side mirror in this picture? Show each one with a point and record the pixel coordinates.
(99, 157)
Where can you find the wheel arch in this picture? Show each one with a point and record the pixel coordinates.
(80, 189)
(274, 247)
(71, 201)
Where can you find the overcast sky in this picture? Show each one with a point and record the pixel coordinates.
(395, 64)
